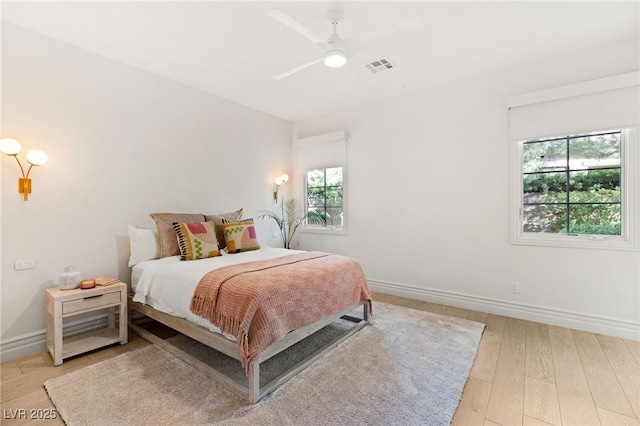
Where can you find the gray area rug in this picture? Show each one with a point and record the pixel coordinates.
(409, 368)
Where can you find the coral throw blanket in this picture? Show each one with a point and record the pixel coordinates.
(260, 302)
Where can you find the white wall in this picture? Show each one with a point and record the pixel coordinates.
(122, 143)
(428, 203)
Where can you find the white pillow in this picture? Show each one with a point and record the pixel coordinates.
(144, 244)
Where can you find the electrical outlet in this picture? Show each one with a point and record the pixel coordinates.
(514, 288)
(20, 265)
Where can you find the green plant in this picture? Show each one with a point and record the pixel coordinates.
(579, 181)
(289, 219)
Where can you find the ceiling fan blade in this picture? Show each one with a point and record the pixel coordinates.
(287, 20)
(296, 69)
(385, 30)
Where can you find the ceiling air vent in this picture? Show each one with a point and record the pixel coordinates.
(380, 65)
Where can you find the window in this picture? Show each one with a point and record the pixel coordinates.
(324, 193)
(571, 185)
(578, 190)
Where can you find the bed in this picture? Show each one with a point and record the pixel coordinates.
(164, 289)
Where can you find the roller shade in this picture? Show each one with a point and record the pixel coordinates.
(608, 103)
(329, 150)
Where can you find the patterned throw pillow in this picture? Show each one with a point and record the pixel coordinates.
(197, 240)
(240, 236)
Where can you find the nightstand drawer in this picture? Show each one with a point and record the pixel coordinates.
(91, 302)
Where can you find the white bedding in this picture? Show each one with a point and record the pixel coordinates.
(167, 284)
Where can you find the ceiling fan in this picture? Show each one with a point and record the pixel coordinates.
(336, 49)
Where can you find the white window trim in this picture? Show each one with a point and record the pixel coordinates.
(630, 197)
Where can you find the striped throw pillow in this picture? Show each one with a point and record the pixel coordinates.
(196, 240)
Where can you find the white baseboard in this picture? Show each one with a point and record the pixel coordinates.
(576, 320)
(30, 343)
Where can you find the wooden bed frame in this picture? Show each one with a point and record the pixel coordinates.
(230, 348)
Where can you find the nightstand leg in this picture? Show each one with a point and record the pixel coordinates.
(57, 334)
(50, 334)
(123, 317)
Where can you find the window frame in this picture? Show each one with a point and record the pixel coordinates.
(630, 195)
(320, 229)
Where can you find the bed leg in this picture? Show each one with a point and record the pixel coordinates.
(366, 308)
(254, 383)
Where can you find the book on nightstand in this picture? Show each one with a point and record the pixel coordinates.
(107, 281)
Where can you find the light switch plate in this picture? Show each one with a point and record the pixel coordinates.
(20, 265)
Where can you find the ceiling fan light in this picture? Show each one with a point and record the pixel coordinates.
(335, 58)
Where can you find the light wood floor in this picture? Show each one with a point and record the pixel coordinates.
(525, 373)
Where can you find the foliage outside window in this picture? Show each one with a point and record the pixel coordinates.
(572, 185)
(324, 193)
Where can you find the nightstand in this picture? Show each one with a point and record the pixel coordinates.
(67, 303)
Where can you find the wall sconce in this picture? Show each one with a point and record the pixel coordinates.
(35, 157)
(279, 181)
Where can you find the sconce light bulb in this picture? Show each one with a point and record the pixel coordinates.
(37, 157)
(10, 146)
(278, 181)
(284, 177)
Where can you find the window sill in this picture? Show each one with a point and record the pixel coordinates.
(323, 230)
(598, 242)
